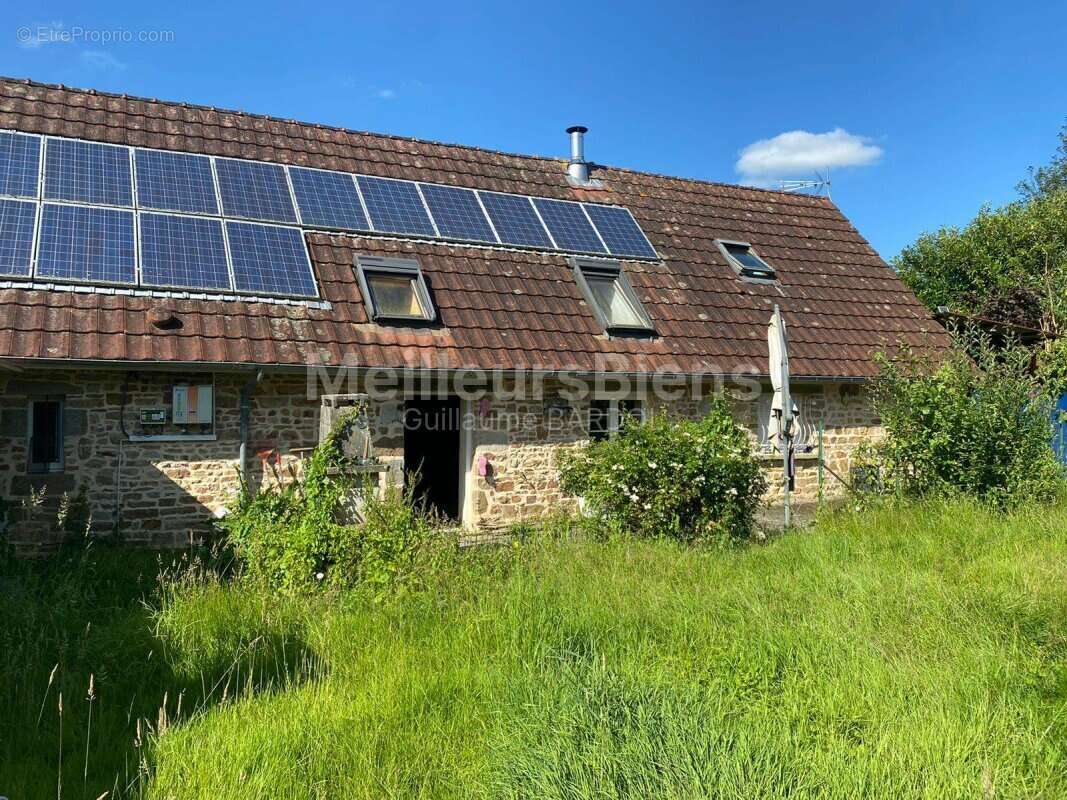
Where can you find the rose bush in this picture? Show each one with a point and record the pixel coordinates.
(669, 477)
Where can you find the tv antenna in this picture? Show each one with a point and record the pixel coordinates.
(819, 184)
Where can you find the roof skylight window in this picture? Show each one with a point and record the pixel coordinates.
(394, 289)
(743, 258)
(612, 298)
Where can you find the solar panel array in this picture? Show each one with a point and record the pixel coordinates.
(104, 213)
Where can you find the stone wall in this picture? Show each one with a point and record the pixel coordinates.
(166, 492)
(157, 492)
(523, 444)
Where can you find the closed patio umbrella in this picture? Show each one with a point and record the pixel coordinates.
(783, 412)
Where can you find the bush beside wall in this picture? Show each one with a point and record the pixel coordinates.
(683, 479)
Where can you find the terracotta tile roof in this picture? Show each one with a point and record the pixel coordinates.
(498, 307)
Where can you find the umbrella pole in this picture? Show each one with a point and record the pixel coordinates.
(785, 481)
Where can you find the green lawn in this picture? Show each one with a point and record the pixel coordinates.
(890, 654)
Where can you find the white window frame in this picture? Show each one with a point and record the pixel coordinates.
(394, 267)
(610, 269)
(746, 273)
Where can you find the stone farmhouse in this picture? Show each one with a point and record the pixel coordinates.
(182, 288)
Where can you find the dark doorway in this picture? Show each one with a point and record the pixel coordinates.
(431, 452)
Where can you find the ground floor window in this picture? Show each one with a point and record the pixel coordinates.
(46, 435)
(606, 416)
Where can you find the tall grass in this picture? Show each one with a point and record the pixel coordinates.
(893, 654)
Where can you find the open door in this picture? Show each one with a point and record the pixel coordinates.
(431, 453)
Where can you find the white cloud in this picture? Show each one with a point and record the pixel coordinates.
(802, 152)
(385, 94)
(102, 60)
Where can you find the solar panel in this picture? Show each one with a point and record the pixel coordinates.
(86, 244)
(515, 220)
(20, 161)
(568, 225)
(328, 199)
(87, 172)
(620, 231)
(175, 182)
(457, 213)
(183, 252)
(254, 190)
(17, 218)
(395, 206)
(269, 259)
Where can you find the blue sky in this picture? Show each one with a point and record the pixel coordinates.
(940, 106)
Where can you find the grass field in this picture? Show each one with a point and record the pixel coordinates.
(893, 654)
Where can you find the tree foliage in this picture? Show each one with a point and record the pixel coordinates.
(1008, 264)
(1049, 179)
(977, 424)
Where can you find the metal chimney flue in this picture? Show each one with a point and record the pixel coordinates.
(578, 168)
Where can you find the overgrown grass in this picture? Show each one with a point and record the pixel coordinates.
(895, 654)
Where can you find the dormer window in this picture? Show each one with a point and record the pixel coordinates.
(742, 257)
(609, 293)
(394, 289)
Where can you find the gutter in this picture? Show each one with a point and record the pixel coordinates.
(233, 366)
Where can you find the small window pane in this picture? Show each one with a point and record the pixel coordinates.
(613, 302)
(394, 295)
(751, 265)
(745, 257)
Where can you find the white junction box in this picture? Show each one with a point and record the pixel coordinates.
(192, 405)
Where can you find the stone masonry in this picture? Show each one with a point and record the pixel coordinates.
(165, 492)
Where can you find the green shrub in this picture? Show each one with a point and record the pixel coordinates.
(299, 536)
(978, 424)
(666, 477)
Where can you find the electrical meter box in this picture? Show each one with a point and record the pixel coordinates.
(192, 405)
(153, 416)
